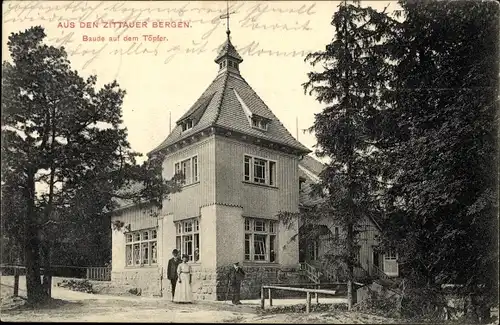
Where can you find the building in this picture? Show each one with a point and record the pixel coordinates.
(374, 263)
(241, 167)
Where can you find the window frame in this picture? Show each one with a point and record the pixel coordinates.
(252, 232)
(259, 123)
(391, 255)
(188, 231)
(270, 170)
(193, 174)
(150, 243)
(187, 125)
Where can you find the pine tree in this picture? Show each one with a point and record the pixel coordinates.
(354, 68)
(59, 132)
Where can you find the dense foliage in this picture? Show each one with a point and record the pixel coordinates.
(441, 148)
(410, 127)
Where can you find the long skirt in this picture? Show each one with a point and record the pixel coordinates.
(183, 289)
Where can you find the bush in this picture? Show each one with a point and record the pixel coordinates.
(78, 285)
(302, 308)
(135, 291)
(379, 304)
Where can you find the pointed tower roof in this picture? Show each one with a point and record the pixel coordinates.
(230, 104)
(227, 50)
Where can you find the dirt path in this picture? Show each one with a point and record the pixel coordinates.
(71, 306)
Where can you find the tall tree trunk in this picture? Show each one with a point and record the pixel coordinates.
(47, 274)
(32, 245)
(350, 267)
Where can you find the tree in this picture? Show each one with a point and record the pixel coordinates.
(354, 68)
(442, 156)
(64, 149)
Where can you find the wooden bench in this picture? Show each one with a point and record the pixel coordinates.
(308, 292)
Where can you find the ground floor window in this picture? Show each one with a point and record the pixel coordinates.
(141, 247)
(260, 240)
(391, 255)
(188, 238)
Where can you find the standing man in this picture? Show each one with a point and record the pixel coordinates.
(236, 275)
(173, 263)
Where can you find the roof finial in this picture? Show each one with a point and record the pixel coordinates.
(226, 16)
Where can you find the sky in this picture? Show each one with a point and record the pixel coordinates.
(164, 69)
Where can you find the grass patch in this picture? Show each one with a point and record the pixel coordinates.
(301, 309)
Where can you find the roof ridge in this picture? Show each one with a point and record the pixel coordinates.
(219, 105)
(193, 107)
(271, 111)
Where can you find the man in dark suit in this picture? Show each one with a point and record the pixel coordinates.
(236, 275)
(172, 269)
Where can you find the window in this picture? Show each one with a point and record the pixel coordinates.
(391, 255)
(260, 240)
(194, 161)
(187, 125)
(141, 247)
(248, 161)
(188, 238)
(260, 171)
(259, 123)
(336, 233)
(189, 170)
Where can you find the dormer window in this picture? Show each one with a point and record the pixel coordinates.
(188, 124)
(259, 123)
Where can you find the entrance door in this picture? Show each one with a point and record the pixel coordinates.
(376, 259)
(312, 250)
(391, 267)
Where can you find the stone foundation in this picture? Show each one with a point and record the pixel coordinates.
(255, 277)
(208, 284)
(147, 280)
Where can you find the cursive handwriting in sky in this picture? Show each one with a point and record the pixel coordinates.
(162, 52)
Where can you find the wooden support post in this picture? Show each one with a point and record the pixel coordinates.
(270, 297)
(308, 302)
(88, 273)
(49, 284)
(316, 295)
(262, 297)
(16, 282)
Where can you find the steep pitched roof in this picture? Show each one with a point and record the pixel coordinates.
(227, 103)
(312, 164)
(309, 170)
(227, 49)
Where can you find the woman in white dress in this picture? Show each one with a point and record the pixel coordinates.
(183, 290)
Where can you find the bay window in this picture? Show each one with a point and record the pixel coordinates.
(188, 238)
(141, 248)
(260, 240)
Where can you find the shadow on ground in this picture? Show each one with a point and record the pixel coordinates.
(20, 304)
